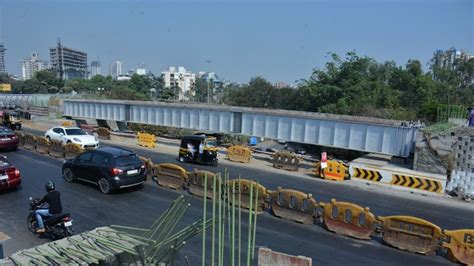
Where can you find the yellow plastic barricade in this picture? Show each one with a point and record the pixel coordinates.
(196, 182)
(56, 149)
(170, 175)
(293, 205)
(244, 189)
(103, 133)
(148, 166)
(336, 171)
(286, 160)
(239, 154)
(67, 124)
(411, 234)
(21, 138)
(30, 142)
(71, 150)
(460, 245)
(42, 145)
(348, 219)
(146, 140)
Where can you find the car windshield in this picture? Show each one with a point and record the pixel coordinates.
(5, 131)
(127, 160)
(75, 132)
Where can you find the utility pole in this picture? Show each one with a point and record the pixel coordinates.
(208, 80)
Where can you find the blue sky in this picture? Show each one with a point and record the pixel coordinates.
(279, 40)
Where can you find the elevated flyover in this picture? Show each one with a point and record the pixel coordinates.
(340, 131)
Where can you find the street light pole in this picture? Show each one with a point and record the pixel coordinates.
(208, 80)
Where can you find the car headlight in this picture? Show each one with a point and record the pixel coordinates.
(76, 140)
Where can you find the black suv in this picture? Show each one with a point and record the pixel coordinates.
(110, 168)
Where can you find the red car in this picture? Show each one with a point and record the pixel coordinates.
(8, 139)
(9, 174)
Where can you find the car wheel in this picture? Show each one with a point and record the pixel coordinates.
(181, 159)
(48, 137)
(31, 221)
(69, 175)
(105, 186)
(67, 142)
(14, 148)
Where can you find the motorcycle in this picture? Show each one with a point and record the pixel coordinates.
(57, 226)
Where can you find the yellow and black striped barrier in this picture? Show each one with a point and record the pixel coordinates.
(417, 183)
(367, 174)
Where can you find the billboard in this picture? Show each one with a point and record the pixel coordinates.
(4, 87)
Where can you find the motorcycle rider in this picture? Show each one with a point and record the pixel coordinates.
(53, 198)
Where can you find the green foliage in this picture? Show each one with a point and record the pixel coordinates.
(438, 128)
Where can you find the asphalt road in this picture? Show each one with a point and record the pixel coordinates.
(139, 207)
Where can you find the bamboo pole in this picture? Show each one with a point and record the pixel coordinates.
(204, 222)
(255, 222)
(249, 228)
(213, 220)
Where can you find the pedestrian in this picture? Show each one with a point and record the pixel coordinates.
(191, 149)
(470, 117)
(323, 164)
(201, 150)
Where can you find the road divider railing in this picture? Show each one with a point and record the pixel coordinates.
(21, 137)
(411, 234)
(408, 233)
(239, 154)
(170, 175)
(293, 205)
(56, 149)
(146, 140)
(29, 142)
(71, 150)
(348, 219)
(196, 182)
(286, 161)
(460, 245)
(335, 170)
(103, 133)
(149, 167)
(42, 145)
(242, 187)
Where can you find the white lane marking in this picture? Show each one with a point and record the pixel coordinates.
(38, 161)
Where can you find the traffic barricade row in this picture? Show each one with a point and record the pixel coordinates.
(103, 133)
(407, 233)
(146, 140)
(239, 154)
(286, 161)
(335, 170)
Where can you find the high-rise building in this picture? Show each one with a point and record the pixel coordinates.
(31, 65)
(95, 68)
(68, 63)
(116, 68)
(180, 79)
(2, 58)
(449, 58)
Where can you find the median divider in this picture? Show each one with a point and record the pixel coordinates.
(294, 205)
(239, 154)
(103, 133)
(146, 140)
(460, 245)
(348, 219)
(29, 142)
(411, 233)
(196, 182)
(71, 150)
(335, 170)
(56, 149)
(42, 145)
(243, 188)
(21, 138)
(286, 161)
(148, 166)
(170, 175)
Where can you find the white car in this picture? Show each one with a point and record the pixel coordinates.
(72, 135)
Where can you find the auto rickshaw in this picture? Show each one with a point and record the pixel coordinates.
(11, 119)
(189, 150)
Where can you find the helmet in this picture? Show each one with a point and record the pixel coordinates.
(49, 186)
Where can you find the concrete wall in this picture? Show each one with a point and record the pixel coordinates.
(267, 257)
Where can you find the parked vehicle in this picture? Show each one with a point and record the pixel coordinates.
(110, 168)
(72, 135)
(11, 119)
(209, 154)
(8, 139)
(9, 174)
(56, 227)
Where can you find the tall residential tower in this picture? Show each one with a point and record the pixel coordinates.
(2, 58)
